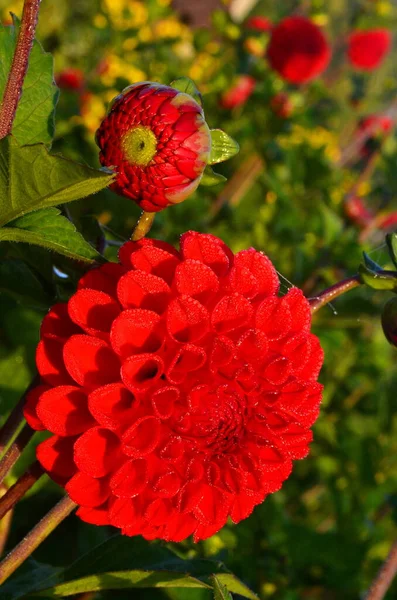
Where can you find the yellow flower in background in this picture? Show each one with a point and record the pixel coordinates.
(318, 138)
(92, 110)
(114, 68)
(170, 28)
(13, 7)
(384, 8)
(126, 14)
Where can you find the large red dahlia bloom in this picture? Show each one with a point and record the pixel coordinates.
(298, 50)
(367, 49)
(178, 386)
(156, 139)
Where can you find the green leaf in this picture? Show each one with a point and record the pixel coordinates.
(47, 228)
(391, 241)
(223, 147)
(121, 580)
(34, 120)
(379, 280)
(211, 178)
(22, 283)
(31, 178)
(233, 584)
(187, 86)
(220, 590)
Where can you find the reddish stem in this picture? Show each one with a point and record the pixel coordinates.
(35, 537)
(384, 577)
(14, 451)
(19, 66)
(333, 292)
(20, 487)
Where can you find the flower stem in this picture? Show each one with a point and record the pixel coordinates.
(385, 576)
(19, 66)
(14, 451)
(20, 487)
(15, 419)
(35, 537)
(333, 292)
(143, 226)
(5, 523)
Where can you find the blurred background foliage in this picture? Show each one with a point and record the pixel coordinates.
(297, 192)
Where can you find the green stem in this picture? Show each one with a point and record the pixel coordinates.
(35, 537)
(384, 577)
(19, 66)
(15, 450)
(20, 487)
(333, 292)
(143, 226)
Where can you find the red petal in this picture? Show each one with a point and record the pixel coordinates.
(130, 479)
(93, 311)
(273, 317)
(64, 410)
(261, 268)
(231, 312)
(112, 405)
(208, 249)
(141, 371)
(126, 512)
(195, 279)
(163, 401)
(167, 484)
(86, 490)
(300, 310)
(189, 358)
(152, 256)
(136, 331)
(30, 408)
(56, 457)
(104, 278)
(187, 319)
(96, 452)
(138, 289)
(49, 361)
(90, 361)
(96, 516)
(252, 346)
(58, 323)
(142, 438)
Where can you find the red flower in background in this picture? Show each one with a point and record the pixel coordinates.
(239, 93)
(178, 386)
(367, 49)
(281, 105)
(259, 23)
(357, 212)
(157, 140)
(298, 50)
(370, 128)
(70, 79)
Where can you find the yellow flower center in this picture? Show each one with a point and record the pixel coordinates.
(139, 145)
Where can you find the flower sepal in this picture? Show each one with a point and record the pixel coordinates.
(210, 178)
(187, 86)
(223, 147)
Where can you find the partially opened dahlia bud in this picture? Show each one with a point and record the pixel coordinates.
(298, 50)
(368, 49)
(156, 139)
(178, 388)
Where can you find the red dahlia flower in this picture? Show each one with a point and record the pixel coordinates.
(157, 140)
(239, 93)
(298, 50)
(70, 79)
(178, 386)
(259, 23)
(367, 49)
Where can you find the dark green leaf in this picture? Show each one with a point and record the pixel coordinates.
(33, 574)
(187, 86)
(18, 280)
(233, 584)
(223, 147)
(34, 120)
(382, 280)
(391, 241)
(31, 178)
(119, 580)
(211, 178)
(220, 590)
(47, 228)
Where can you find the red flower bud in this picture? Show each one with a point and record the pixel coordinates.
(157, 140)
(239, 93)
(298, 50)
(70, 79)
(259, 23)
(281, 105)
(178, 388)
(367, 49)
